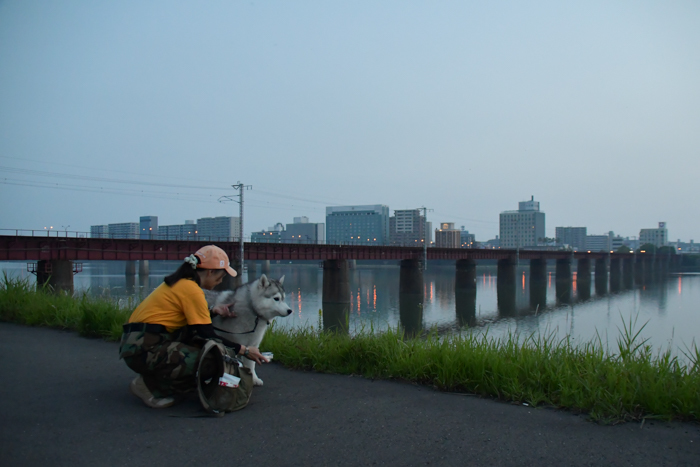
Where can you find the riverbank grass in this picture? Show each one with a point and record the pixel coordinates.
(630, 383)
(21, 302)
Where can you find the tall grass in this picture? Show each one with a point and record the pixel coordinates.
(21, 303)
(631, 382)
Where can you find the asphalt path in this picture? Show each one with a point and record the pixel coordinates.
(64, 400)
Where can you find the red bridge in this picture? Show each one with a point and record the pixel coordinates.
(34, 248)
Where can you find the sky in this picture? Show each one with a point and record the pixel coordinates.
(113, 110)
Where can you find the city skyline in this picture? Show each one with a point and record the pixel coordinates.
(114, 110)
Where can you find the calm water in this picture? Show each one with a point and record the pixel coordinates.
(670, 309)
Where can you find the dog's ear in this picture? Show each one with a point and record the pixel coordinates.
(264, 282)
(281, 281)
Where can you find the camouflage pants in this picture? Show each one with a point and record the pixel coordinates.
(168, 366)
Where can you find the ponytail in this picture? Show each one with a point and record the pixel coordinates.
(187, 270)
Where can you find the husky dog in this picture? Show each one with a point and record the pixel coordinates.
(256, 304)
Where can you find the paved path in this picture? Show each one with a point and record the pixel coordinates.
(64, 400)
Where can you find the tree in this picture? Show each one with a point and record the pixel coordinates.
(623, 249)
(647, 248)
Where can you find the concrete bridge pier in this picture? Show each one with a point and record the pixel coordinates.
(130, 268)
(583, 279)
(563, 289)
(56, 274)
(252, 271)
(538, 270)
(411, 297)
(505, 287)
(336, 295)
(265, 266)
(615, 274)
(144, 269)
(639, 270)
(538, 284)
(628, 273)
(465, 275)
(601, 276)
(563, 270)
(465, 292)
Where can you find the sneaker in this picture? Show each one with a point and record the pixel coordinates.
(139, 389)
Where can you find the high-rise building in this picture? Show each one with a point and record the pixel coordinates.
(657, 237)
(303, 231)
(599, 242)
(522, 228)
(575, 237)
(447, 236)
(220, 228)
(271, 235)
(407, 227)
(148, 226)
(466, 239)
(364, 225)
(123, 230)
(185, 231)
(99, 231)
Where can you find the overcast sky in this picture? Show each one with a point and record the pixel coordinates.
(110, 110)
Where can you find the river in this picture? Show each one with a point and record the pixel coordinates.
(669, 309)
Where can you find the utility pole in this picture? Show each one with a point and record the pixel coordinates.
(241, 188)
(425, 239)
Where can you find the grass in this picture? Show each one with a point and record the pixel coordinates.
(630, 383)
(90, 317)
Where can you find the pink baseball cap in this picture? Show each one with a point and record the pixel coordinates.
(213, 257)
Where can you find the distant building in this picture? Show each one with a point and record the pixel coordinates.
(303, 231)
(271, 235)
(575, 237)
(687, 247)
(493, 244)
(185, 231)
(220, 228)
(363, 225)
(148, 226)
(123, 230)
(522, 228)
(657, 237)
(447, 236)
(99, 231)
(407, 227)
(466, 239)
(599, 242)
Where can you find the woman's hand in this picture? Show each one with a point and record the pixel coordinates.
(253, 354)
(224, 310)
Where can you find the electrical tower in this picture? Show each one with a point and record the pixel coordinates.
(241, 188)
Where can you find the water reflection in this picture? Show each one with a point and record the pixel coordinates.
(538, 294)
(563, 292)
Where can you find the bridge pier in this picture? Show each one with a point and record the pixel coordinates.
(336, 295)
(538, 270)
(563, 290)
(465, 275)
(628, 273)
(130, 268)
(563, 269)
(56, 274)
(411, 297)
(505, 287)
(583, 279)
(601, 276)
(265, 266)
(252, 271)
(615, 274)
(144, 268)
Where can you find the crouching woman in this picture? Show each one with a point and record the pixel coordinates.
(163, 339)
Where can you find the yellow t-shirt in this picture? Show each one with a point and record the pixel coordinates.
(173, 307)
